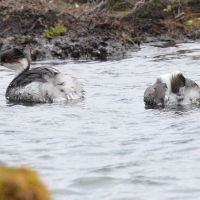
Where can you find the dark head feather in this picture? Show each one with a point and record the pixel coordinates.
(177, 81)
(12, 55)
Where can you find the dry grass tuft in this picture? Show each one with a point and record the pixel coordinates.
(21, 184)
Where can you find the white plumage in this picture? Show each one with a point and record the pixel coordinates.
(41, 84)
(50, 91)
(172, 88)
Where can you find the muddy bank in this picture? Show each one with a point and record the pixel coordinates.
(94, 29)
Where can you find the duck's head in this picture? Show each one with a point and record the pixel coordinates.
(14, 59)
(175, 81)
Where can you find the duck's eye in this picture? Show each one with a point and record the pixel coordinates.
(6, 60)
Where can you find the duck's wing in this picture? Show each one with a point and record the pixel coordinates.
(190, 83)
(160, 90)
(154, 95)
(38, 74)
(176, 81)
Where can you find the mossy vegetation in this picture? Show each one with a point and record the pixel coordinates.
(193, 22)
(135, 18)
(168, 9)
(21, 184)
(119, 5)
(57, 30)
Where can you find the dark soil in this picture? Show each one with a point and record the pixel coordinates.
(95, 29)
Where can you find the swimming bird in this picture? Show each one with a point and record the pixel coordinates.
(40, 84)
(172, 88)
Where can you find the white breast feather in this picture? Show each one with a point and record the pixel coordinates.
(186, 95)
(166, 78)
(60, 88)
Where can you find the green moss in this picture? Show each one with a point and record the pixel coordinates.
(135, 18)
(128, 9)
(168, 9)
(119, 5)
(190, 23)
(55, 31)
(193, 22)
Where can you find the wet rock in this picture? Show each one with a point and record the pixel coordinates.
(25, 40)
(87, 36)
(57, 52)
(37, 54)
(95, 29)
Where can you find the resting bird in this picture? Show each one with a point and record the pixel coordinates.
(172, 88)
(40, 84)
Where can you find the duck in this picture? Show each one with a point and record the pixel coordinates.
(172, 88)
(43, 84)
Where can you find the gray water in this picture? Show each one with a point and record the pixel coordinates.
(109, 146)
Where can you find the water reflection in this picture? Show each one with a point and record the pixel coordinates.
(181, 108)
(28, 103)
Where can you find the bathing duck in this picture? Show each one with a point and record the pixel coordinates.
(172, 88)
(40, 84)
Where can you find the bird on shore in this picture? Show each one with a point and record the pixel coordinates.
(40, 84)
(172, 88)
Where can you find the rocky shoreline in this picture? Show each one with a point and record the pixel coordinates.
(95, 29)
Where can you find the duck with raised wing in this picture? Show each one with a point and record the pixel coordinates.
(172, 88)
(40, 84)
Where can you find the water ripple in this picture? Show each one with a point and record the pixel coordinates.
(109, 146)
